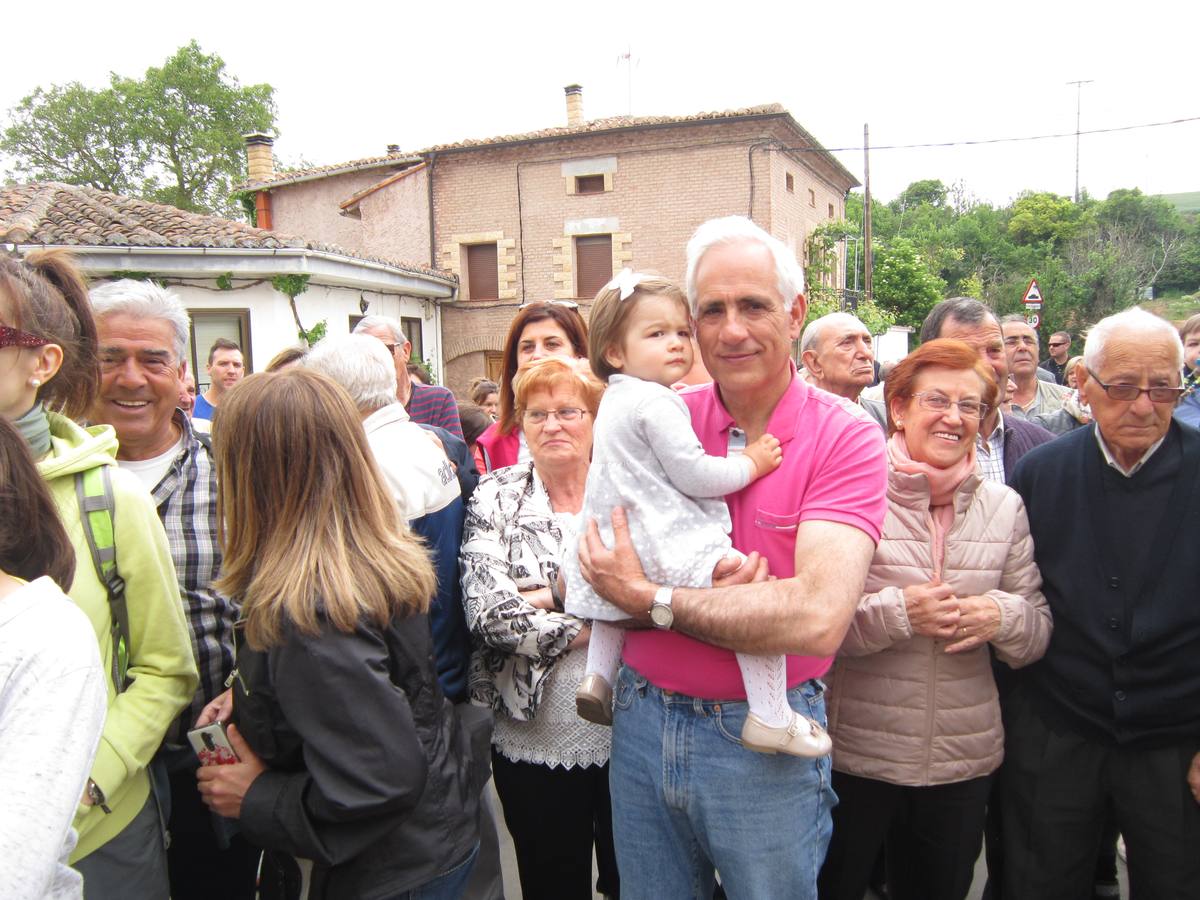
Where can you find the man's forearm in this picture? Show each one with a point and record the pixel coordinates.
(767, 617)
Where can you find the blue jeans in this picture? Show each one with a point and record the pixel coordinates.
(688, 798)
(447, 886)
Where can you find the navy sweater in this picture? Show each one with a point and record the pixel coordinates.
(1122, 576)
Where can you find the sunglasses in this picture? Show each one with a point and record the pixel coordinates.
(15, 337)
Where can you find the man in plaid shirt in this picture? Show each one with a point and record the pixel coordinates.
(143, 332)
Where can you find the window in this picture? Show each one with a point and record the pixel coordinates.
(493, 361)
(207, 326)
(812, 197)
(593, 264)
(831, 210)
(483, 279)
(589, 184)
(790, 183)
(412, 331)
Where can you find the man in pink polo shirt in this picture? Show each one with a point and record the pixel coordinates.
(688, 798)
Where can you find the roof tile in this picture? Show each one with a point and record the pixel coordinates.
(51, 213)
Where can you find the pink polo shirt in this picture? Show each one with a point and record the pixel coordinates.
(834, 469)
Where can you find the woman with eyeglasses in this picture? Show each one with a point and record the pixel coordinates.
(539, 331)
(50, 375)
(913, 712)
(550, 766)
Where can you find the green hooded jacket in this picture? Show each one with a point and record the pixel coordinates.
(161, 666)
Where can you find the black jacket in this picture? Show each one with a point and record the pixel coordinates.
(370, 774)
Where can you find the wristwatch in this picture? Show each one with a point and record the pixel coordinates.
(97, 796)
(661, 613)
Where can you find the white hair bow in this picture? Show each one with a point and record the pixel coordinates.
(626, 281)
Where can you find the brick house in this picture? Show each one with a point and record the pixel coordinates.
(553, 213)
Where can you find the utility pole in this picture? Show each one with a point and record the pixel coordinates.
(868, 281)
(1078, 99)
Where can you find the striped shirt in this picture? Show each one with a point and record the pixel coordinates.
(429, 404)
(187, 505)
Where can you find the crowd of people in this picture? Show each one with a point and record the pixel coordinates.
(712, 622)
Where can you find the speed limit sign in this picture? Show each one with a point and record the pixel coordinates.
(1033, 319)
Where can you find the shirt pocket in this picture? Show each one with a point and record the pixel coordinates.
(776, 521)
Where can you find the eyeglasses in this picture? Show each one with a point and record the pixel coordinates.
(1020, 339)
(566, 414)
(391, 348)
(1130, 392)
(569, 304)
(935, 402)
(1058, 344)
(15, 337)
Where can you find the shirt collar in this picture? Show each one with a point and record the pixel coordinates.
(783, 416)
(993, 440)
(1112, 460)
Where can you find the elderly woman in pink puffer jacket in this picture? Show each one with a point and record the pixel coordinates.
(913, 707)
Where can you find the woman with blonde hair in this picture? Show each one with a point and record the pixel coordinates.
(353, 766)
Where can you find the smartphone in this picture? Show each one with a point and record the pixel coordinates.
(212, 746)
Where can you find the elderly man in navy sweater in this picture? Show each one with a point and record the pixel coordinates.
(1109, 719)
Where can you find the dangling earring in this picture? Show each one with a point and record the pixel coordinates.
(35, 382)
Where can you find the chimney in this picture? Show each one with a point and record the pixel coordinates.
(574, 105)
(260, 162)
(393, 149)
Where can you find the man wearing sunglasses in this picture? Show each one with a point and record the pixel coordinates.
(1059, 346)
(1109, 719)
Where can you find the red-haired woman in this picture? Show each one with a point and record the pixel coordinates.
(913, 712)
(539, 331)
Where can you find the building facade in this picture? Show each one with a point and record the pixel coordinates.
(553, 214)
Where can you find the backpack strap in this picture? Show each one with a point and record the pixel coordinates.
(97, 508)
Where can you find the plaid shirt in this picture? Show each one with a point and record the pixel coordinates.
(187, 504)
(989, 452)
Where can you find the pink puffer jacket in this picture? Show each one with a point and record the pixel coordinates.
(900, 709)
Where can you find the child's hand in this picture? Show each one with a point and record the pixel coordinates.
(766, 454)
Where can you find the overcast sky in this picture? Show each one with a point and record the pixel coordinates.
(351, 78)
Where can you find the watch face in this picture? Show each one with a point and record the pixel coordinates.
(661, 616)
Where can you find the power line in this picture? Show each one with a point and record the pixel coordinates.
(1003, 140)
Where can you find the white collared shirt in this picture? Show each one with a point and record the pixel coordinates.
(1137, 466)
(989, 452)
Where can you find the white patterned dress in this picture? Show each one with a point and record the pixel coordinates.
(647, 459)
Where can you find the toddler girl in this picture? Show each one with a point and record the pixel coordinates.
(647, 459)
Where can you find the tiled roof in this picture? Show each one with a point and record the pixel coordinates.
(50, 213)
(610, 124)
(594, 126)
(292, 176)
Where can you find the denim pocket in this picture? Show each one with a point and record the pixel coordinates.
(729, 719)
(626, 688)
(773, 521)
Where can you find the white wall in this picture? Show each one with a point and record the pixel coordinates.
(272, 327)
(892, 344)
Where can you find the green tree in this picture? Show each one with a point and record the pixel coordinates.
(1039, 217)
(904, 286)
(172, 136)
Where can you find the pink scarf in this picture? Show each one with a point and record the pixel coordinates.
(942, 485)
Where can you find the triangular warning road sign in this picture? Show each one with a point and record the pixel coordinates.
(1033, 293)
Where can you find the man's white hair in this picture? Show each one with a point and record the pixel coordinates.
(381, 322)
(1134, 323)
(789, 276)
(360, 364)
(144, 300)
(814, 329)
